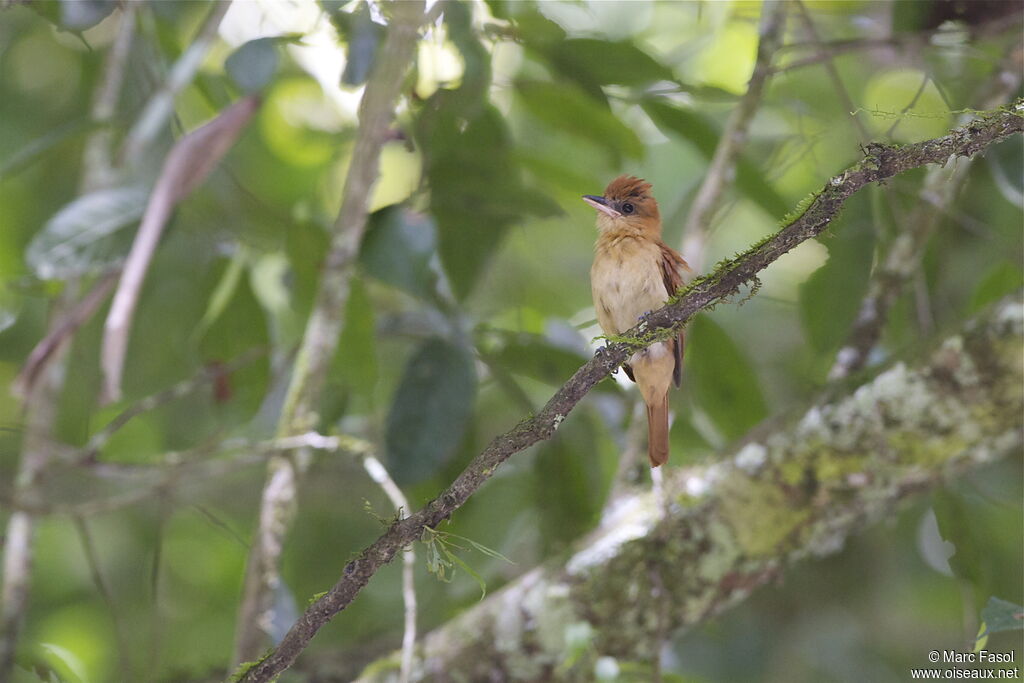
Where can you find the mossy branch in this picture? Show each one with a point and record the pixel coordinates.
(793, 491)
(880, 162)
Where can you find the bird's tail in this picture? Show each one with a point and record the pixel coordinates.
(657, 431)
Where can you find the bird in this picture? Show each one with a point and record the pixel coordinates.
(635, 272)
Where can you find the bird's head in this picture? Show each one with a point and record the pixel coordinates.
(627, 204)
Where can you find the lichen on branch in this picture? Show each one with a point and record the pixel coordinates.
(795, 491)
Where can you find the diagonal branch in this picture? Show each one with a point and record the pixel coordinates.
(881, 162)
(191, 159)
(793, 491)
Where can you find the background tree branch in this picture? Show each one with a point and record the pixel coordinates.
(299, 413)
(881, 162)
(793, 491)
(718, 176)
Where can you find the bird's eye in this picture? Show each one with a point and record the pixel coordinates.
(627, 208)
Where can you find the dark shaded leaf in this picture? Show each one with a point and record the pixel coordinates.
(397, 249)
(703, 134)
(431, 410)
(362, 35)
(569, 109)
(531, 26)
(49, 10)
(475, 191)
(475, 188)
(356, 358)
(697, 129)
(499, 8)
(831, 296)
(1002, 279)
(606, 62)
(910, 16)
(476, 76)
(253, 64)
(722, 379)
(534, 356)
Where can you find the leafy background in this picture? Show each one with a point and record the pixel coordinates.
(470, 303)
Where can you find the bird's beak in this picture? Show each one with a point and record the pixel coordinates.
(601, 204)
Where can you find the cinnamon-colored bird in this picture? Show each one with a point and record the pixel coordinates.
(634, 272)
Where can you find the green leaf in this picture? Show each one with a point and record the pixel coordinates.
(530, 26)
(475, 189)
(362, 35)
(722, 380)
(830, 298)
(606, 62)
(480, 547)
(1001, 279)
(270, 277)
(356, 358)
(86, 235)
(476, 76)
(703, 134)
(910, 16)
(458, 561)
(253, 64)
(1000, 615)
(534, 356)
(224, 291)
(431, 410)
(397, 249)
(569, 109)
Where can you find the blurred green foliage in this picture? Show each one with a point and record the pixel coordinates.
(471, 300)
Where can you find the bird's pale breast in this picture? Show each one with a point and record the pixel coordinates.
(626, 282)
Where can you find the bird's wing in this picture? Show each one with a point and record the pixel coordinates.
(675, 272)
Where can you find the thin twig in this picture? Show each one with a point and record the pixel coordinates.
(299, 412)
(695, 230)
(191, 159)
(884, 162)
(910, 105)
(900, 40)
(40, 415)
(175, 467)
(62, 332)
(941, 185)
(380, 475)
(208, 374)
(833, 73)
(92, 559)
(98, 166)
